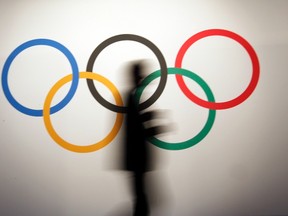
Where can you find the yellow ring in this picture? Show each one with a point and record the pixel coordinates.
(92, 147)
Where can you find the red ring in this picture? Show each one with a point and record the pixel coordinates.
(219, 105)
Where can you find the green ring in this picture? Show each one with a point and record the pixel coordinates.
(211, 117)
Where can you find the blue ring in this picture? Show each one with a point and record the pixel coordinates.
(19, 49)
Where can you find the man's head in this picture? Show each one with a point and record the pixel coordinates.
(137, 73)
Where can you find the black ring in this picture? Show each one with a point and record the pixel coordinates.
(149, 44)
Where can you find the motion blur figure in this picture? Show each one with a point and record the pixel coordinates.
(138, 157)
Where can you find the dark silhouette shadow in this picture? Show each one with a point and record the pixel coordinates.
(144, 162)
(138, 156)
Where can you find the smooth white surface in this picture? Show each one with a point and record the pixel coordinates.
(240, 168)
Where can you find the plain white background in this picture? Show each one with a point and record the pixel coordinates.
(239, 168)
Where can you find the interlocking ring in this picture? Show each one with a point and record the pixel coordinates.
(211, 116)
(219, 105)
(19, 49)
(119, 107)
(139, 39)
(73, 147)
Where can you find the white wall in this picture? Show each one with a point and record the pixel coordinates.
(239, 168)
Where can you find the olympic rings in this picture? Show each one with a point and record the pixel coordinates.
(255, 69)
(67, 145)
(119, 107)
(211, 117)
(24, 46)
(139, 39)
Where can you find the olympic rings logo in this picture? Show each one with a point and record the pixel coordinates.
(119, 107)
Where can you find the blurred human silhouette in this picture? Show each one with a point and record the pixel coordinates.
(138, 157)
